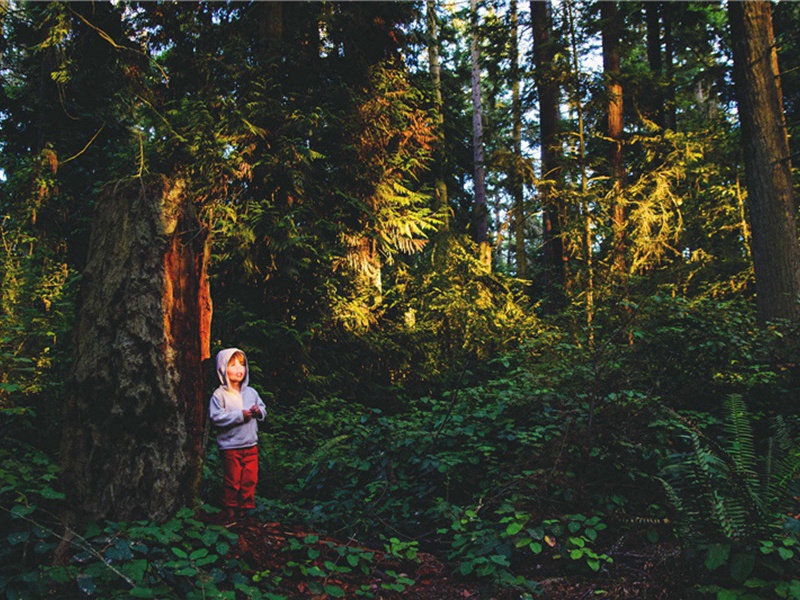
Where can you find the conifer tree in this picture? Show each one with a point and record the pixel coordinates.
(768, 167)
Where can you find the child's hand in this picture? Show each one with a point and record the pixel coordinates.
(247, 415)
(255, 412)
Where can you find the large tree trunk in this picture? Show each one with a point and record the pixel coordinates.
(481, 208)
(768, 169)
(550, 121)
(611, 70)
(655, 101)
(133, 421)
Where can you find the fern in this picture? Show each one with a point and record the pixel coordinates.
(726, 485)
(783, 471)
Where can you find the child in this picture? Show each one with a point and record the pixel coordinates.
(233, 409)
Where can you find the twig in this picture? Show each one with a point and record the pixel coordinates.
(85, 148)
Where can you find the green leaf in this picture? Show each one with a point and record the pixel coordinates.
(18, 537)
(514, 528)
(142, 592)
(21, 510)
(717, 555)
(210, 536)
(577, 542)
(785, 553)
(211, 558)
(574, 526)
(198, 554)
(179, 553)
(499, 559)
(742, 565)
(86, 584)
(334, 591)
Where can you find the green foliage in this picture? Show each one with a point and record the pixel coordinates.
(734, 494)
(323, 563)
(488, 546)
(184, 557)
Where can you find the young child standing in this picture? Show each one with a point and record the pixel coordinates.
(234, 409)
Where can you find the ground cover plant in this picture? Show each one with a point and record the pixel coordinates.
(515, 280)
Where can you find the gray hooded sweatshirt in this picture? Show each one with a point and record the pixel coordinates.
(226, 406)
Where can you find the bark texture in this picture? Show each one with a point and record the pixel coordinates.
(517, 185)
(133, 422)
(611, 69)
(481, 207)
(544, 58)
(440, 186)
(768, 169)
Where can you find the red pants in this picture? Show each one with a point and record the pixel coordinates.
(240, 470)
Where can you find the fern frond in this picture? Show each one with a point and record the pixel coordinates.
(738, 426)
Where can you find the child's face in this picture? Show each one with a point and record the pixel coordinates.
(236, 372)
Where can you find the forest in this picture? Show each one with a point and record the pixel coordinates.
(517, 282)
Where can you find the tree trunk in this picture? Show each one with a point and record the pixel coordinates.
(270, 24)
(768, 169)
(550, 122)
(133, 423)
(670, 111)
(588, 226)
(481, 208)
(517, 184)
(440, 186)
(655, 101)
(611, 69)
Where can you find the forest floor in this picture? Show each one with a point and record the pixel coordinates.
(643, 572)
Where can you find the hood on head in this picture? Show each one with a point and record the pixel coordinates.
(223, 357)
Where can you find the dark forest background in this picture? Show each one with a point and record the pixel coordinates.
(518, 282)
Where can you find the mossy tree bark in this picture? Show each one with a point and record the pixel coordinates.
(481, 217)
(133, 424)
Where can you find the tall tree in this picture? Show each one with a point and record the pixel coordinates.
(440, 185)
(670, 110)
(544, 57)
(576, 103)
(768, 168)
(481, 217)
(611, 33)
(517, 182)
(654, 60)
(143, 326)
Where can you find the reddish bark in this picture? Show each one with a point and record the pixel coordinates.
(133, 420)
